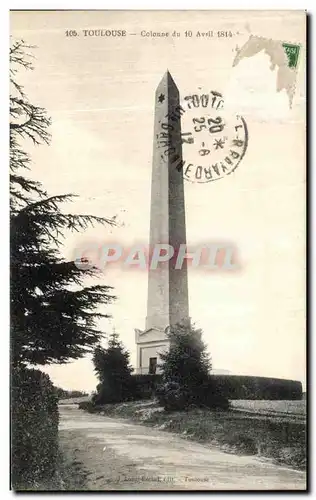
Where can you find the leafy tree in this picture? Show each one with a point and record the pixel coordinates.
(112, 367)
(53, 314)
(187, 361)
(185, 372)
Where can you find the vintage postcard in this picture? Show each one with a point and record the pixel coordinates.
(157, 198)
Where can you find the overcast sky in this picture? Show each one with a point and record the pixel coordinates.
(99, 92)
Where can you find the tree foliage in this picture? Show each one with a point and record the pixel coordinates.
(64, 394)
(185, 372)
(112, 367)
(54, 316)
(187, 362)
(34, 425)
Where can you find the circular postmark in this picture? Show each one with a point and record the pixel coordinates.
(214, 141)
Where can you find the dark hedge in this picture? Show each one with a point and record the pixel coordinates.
(144, 386)
(34, 428)
(249, 387)
(232, 386)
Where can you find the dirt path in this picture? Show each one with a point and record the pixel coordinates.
(118, 455)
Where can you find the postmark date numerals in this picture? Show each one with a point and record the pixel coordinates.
(214, 125)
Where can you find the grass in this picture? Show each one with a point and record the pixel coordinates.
(72, 474)
(291, 409)
(279, 439)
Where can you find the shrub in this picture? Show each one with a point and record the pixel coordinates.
(144, 386)
(172, 396)
(34, 420)
(88, 406)
(209, 396)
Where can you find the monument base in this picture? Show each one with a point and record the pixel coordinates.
(150, 344)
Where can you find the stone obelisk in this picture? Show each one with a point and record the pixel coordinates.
(167, 301)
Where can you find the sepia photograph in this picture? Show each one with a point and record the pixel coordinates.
(158, 250)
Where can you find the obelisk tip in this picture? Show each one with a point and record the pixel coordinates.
(167, 82)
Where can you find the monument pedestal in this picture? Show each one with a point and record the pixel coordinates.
(150, 343)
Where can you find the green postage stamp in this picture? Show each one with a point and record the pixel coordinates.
(292, 51)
